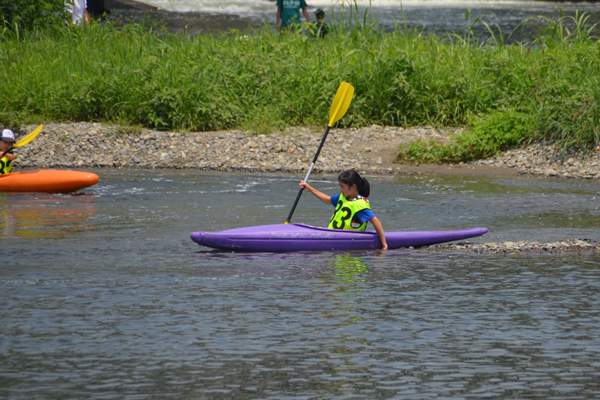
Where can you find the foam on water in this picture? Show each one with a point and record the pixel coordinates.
(214, 6)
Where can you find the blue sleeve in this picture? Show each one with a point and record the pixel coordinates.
(364, 215)
(335, 199)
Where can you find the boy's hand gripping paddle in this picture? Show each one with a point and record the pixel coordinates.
(25, 140)
(338, 109)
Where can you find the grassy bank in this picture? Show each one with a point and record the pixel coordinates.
(136, 76)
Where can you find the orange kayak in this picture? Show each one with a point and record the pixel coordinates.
(47, 180)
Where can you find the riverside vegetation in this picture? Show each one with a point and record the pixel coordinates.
(545, 88)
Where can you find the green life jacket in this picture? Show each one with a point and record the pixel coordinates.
(343, 217)
(5, 165)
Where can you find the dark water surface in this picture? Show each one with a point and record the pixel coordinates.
(103, 295)
(430, 17)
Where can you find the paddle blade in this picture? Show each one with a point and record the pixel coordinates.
(341, 102)
(29, 137)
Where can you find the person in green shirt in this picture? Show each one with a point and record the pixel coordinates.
(288, 13)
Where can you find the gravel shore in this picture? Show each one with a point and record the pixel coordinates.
(371, 150)
(80, 145)
(549, 161)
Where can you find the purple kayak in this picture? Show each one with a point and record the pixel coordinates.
(300, 237)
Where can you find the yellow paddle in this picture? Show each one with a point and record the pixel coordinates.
(338, 109)
(25, 140)
(29, 137)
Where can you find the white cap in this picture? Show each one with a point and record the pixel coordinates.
(8, 135)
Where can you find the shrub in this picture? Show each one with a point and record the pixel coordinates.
(488, 136)
(30, 14)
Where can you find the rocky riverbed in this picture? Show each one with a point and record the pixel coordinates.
(370, 150)
(560, 247)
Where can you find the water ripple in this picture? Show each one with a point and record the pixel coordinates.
(130, 307)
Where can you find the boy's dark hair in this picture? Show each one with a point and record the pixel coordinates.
(320, 13)
(351, 177)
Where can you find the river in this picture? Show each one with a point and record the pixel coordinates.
(430, 16)
(103, 295)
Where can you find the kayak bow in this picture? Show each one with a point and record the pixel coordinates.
(300, 237)
(47, 180)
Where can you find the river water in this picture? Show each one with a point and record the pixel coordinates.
(430, 16)
(103, 295)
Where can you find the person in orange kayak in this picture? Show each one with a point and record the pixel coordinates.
(6, 152)
(352, 209)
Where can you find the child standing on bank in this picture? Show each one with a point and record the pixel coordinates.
(288, 14)
(352, 209)
(321, 27)
(6, 152)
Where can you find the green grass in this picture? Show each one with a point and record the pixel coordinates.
(549, 84)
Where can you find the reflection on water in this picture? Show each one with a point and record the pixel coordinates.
(45, 215)
(348, 269)
(122, 304)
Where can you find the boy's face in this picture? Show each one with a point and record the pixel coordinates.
(4, 146)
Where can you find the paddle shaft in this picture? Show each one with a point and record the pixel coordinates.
(287, 221)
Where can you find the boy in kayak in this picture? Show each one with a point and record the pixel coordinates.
(6, 152)
(352, 209)
(288, 14)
